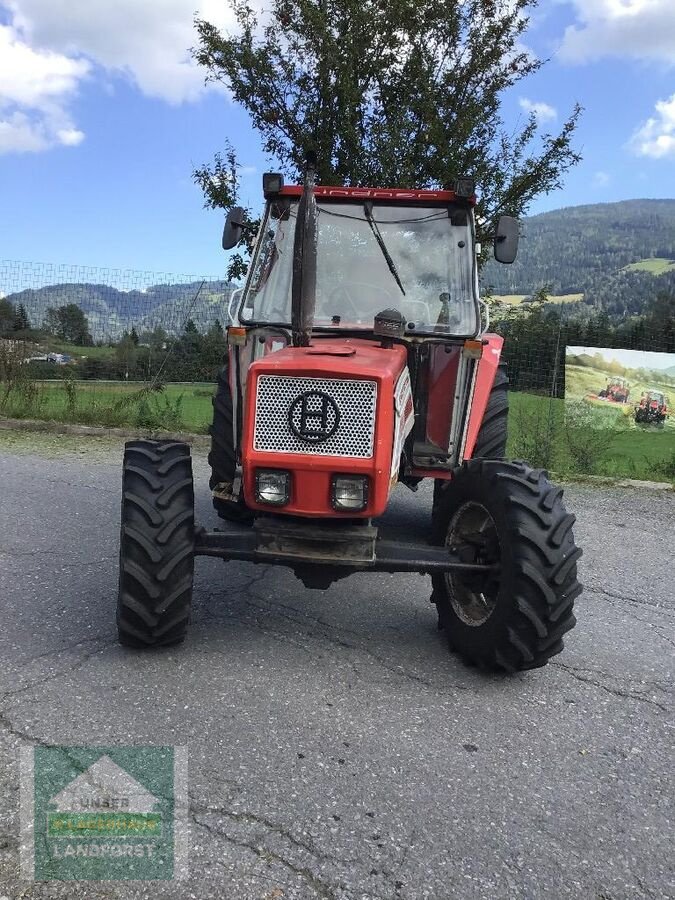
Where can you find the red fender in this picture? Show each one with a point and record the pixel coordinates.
(485, 379)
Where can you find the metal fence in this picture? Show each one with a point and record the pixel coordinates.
(118, 347)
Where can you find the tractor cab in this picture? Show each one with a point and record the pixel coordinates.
(361, 305)
(412, 251)
(358, 359)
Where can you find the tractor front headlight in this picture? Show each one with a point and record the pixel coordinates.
(349, 493)
(272, 486)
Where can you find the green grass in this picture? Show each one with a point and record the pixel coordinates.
(656, 265)
(584, 383)
(542, 433)
(56, 346)
(517, 299)
(179, 407)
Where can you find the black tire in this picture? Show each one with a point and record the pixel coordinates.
(156, 544)
(491, 440)
(528, 604)
(222, 457)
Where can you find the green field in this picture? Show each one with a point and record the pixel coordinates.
(517, 299)
(584, 383)
(539, 430)
(565, 439)
(656, 265)
(178, 407)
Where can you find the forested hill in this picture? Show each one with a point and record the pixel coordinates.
(619, 255)
(110, 311)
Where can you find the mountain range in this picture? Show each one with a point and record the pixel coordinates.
(617, 256)
(110, 312)
(610, 256)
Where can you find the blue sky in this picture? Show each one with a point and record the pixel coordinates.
(103, 117)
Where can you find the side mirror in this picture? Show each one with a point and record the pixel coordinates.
(506, 239)
(236, 219)
(232, 306)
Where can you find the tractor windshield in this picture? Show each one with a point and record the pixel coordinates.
(370, 257)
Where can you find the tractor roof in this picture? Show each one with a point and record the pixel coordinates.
(396, 195)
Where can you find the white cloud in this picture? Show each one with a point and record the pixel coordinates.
(542, 111)
(48, 47)
(147, 41)
(70, 137)
(601, 179)
(637, 29)
(35, 87)
(656, 137)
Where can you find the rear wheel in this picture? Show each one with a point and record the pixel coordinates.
(509, 516)
(156, 544)
(222, 457)
(491, 441)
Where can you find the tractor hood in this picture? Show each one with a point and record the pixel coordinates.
(348, 358)
(331, 409)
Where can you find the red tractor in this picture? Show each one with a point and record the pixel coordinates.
(652, 408)
(358, 362)
(617, 390)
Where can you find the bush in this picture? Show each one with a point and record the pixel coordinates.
(534, 432)
(590, 434)
(157, 412)
(666, 467)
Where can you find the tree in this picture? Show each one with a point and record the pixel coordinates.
(133, 334)
(6, 316)
(404, 93)
(50, 323)
(125, 353)
(214, 347)
(72, 325)
(21, 320)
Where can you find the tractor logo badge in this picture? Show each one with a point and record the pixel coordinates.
(313, 417)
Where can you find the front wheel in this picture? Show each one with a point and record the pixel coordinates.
(222, 456)
(156, 544)
(511, 518)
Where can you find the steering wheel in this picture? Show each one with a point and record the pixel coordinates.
(343, 291)
(378, 298)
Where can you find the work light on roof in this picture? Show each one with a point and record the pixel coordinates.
(465, 187)
(272, 184)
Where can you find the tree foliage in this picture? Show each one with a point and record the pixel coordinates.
(69, 323)
(386, 93)
(536, 338)
(21, 320)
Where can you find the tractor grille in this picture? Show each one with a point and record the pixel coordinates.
(287, 406)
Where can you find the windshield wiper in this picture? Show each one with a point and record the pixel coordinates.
(368, 209)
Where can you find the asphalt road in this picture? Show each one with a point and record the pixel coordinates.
(336, 750)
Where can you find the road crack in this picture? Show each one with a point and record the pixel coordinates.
(321, 887)
(66, 671)
(636, 601)
(617, 692)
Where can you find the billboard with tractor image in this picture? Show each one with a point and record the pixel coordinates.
(624, 389)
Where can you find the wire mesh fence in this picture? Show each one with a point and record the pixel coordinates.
(129, 348)
(110, 347)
